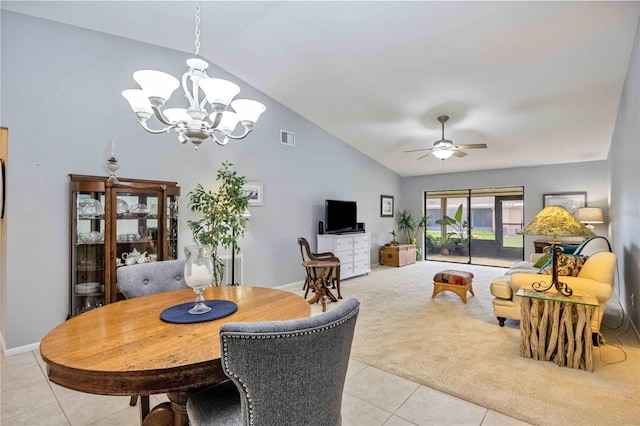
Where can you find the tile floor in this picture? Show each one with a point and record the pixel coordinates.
(372, 397)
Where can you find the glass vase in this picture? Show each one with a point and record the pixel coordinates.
(198, 273)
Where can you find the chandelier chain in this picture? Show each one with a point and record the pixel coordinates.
(198, 29)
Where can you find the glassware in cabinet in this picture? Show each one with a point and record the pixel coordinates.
(87, 250)
(172, 225)
(127, 224)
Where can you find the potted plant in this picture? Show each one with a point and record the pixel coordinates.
(411, 226)
(460, 228)
(222, 222)
(406, 224)
(421, 223)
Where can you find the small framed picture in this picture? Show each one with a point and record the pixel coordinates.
(254, 192)
(386, 205)
(571, 201)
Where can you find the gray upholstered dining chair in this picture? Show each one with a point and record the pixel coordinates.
(149, 278)
(282, 372)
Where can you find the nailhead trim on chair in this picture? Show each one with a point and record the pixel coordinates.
(225, 352)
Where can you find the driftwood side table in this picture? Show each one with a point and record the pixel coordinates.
(557, 328)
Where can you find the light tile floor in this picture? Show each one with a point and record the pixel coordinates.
(371, 397)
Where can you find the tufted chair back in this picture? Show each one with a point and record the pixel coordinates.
(282, 372)
(149, 278)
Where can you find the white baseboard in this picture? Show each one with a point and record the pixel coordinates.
(19, 350)
(295, 283)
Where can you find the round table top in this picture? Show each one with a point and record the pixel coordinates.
(124, 348)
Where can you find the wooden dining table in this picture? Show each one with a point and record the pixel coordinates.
(124, 348)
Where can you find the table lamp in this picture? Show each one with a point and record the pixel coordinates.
(555, 221)
(589, 215)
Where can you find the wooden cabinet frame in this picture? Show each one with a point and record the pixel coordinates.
(107, 252)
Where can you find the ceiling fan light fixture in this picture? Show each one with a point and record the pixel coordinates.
(442, 154)
(445, 148)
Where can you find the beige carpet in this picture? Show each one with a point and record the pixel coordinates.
(460, 349)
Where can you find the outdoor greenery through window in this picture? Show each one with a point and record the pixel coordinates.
(478, 226)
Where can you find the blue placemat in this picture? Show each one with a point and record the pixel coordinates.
(179, 314)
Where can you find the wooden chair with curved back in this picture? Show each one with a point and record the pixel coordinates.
(307, 254)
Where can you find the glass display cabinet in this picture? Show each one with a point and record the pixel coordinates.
(114, 224)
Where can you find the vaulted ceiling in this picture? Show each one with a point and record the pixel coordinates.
(538, 82)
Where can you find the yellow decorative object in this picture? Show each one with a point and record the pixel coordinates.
(555, 221)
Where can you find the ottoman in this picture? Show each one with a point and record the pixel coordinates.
(451, 280)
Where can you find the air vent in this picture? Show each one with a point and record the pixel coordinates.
(287, 138)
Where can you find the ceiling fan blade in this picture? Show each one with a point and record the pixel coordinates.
(459, 154)
(472, 146)
(421, 149)
(421, 157)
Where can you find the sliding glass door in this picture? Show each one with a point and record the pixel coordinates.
(478, 226)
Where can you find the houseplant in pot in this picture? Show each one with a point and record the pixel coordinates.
(459, 230)
(406, 224)
(223, 222)
(411, 227)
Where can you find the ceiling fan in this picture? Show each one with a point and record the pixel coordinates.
(445, 148)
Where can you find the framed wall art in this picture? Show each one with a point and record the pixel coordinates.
(386, 206)
(254, 191)
(571, 201)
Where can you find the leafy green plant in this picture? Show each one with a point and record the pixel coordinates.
(410, 226)
(460, 227)
(421, 223)
(406, 223)
(222, 222)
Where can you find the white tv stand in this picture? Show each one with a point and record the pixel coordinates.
(353, 250)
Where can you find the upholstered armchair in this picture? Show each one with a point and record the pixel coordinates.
(282, 373)
(595, 276)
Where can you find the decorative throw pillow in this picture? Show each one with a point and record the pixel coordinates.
(546, 264)
(543, 259)
(568, 265)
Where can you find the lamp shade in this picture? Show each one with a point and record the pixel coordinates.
(177, 115)
(590, 215)
(218, 91)
(556, 221)
(228, 122)
(247, 109)
(156, 83)
(138, 101)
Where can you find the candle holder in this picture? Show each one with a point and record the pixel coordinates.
(112, 164)
(198, 273)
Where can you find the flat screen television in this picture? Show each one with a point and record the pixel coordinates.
(340, 216)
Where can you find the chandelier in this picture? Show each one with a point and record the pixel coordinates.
(194, 124)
